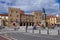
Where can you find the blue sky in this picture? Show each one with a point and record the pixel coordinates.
(51, 6)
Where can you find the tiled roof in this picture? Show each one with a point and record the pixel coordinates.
(3, 14)
(21, 12)
(50, 16)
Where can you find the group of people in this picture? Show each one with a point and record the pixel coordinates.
(34, 27)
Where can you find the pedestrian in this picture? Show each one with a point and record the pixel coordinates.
(34, 28)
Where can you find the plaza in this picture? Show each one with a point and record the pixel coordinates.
(21, 34)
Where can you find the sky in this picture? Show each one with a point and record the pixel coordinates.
(51, 6)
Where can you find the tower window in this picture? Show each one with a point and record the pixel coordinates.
(17, 21)
(17, 15)
(11, 20)
(10, 15)
(11, 11)
(16, 11)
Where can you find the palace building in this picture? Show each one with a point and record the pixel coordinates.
(17, 17)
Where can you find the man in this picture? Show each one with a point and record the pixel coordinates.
(34, 28)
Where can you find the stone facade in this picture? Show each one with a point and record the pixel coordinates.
(58, 21)
(18, 18)
(26, 19)
(51, 20)
(39, 18)
(13, 16)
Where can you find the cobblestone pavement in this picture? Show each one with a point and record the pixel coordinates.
(30, 36)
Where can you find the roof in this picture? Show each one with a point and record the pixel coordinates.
(50, 16)
(21, 12)
(3, 14)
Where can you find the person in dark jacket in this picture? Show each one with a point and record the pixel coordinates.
(34, 27)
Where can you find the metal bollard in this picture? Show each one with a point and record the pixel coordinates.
(26, 30)
(48, 31)
(39, 31)
(58, 32)
(32, 31)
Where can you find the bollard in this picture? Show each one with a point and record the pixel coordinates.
(26, 29)
(58, 32)
(33, 31)
(48, 31)
(39, 31)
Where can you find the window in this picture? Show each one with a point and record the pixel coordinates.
(10, 15)
(6, 17)
(2, 17)
(17, 15)
(43, 17)
(11, 11)
(11, 20)
(40, 17)
(17, 21)
(36, 17)
(16, 11)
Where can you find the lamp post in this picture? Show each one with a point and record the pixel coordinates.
(56, 18)
(57, 15)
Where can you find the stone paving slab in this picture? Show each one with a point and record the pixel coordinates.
(31, 36)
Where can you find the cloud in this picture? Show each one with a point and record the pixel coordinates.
(4, 4)
(51, 6)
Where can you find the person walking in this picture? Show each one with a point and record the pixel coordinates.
(34, 28)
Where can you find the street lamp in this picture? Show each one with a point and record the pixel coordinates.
(57, 19)
(57, 15)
